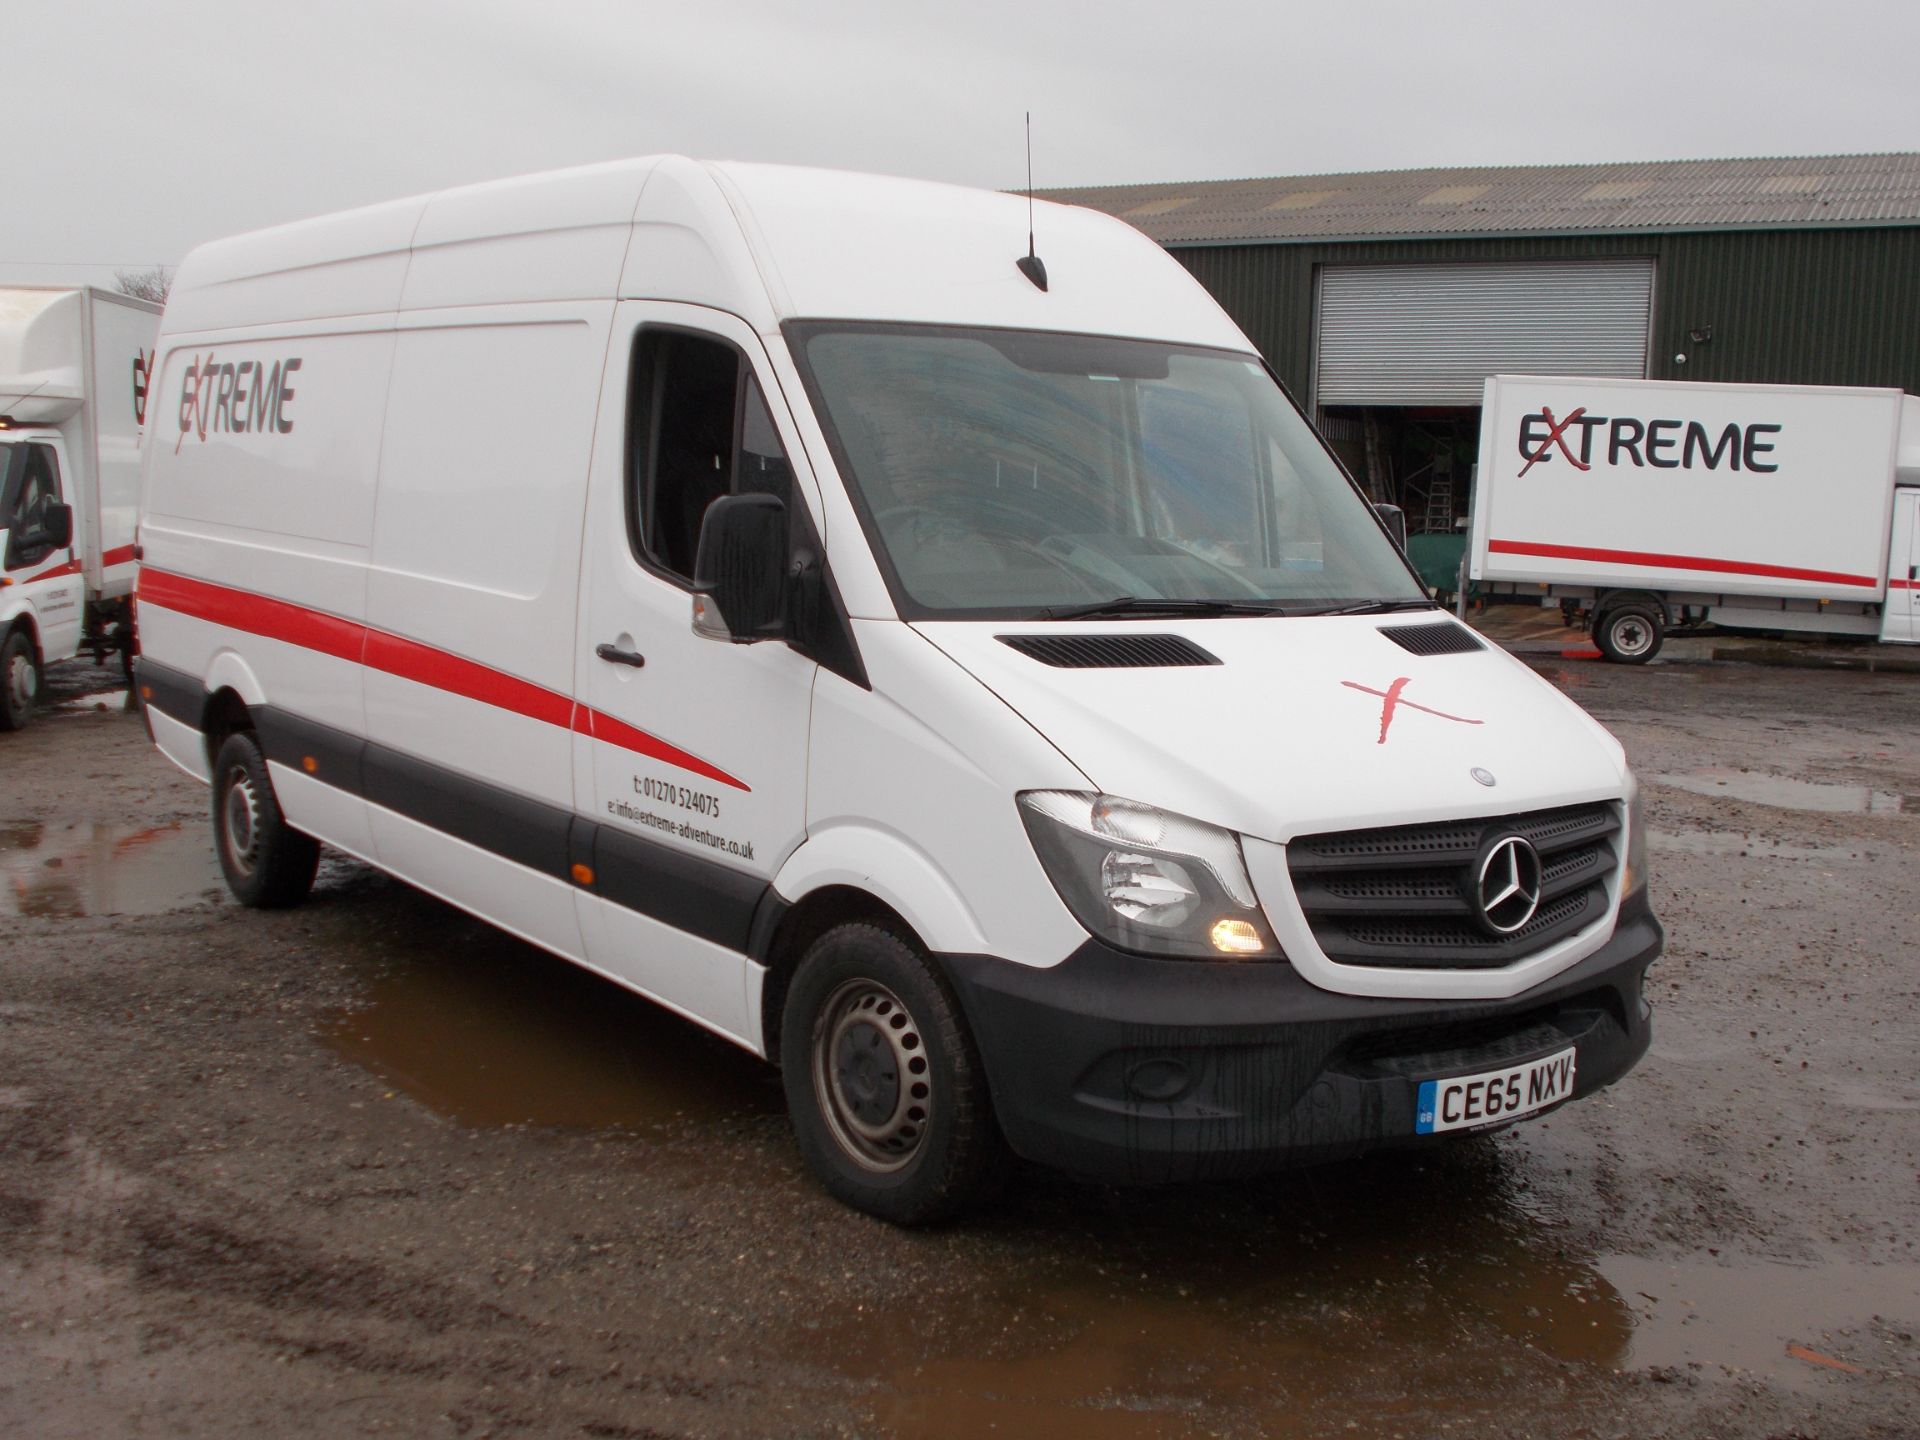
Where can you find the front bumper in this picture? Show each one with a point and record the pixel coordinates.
(1123, 1068)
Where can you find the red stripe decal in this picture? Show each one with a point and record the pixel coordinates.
(408, 659)
(1679, 562)
(411, 660)
(255, 614)
(616, 732)
(1905, 584)
(119, 555)
(70, 567)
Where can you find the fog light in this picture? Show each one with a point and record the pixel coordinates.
(1237, 937)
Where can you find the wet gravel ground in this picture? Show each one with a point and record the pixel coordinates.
(371, 1167)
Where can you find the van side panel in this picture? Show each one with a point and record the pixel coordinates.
(262, 455)
(471, 597)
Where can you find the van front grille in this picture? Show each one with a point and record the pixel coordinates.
(1407, 896)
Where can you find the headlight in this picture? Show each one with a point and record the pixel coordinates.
(1145, 880)
(1635, 879)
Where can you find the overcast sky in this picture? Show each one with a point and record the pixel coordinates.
(140, 128)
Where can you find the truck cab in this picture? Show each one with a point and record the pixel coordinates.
(73, 386)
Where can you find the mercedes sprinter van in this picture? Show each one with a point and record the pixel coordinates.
(952, 670)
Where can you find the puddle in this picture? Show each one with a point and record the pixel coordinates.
(1745, 1315)
(1355, 1300)
(105, 869)
(489, 1031)
(1786, 793)
(1743, 843)
(1394, 1308)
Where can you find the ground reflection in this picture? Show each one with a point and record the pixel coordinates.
(489, 1031)
(97, 868)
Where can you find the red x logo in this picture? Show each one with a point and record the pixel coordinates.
(1391, 702)
(1557, 435)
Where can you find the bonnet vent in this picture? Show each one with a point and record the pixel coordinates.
(1109, 652)
(1443, 639)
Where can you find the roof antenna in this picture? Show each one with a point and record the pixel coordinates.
(1030, 264)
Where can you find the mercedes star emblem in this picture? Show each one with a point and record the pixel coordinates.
(1509, 888)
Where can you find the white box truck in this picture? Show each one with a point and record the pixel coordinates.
(970, 685)
(1643, 506)
(73, 394)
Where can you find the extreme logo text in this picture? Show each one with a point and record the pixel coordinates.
(223, 398)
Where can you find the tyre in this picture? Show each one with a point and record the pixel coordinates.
(19, 681)
(268, 864)
(887, 1095)
(1629, 635)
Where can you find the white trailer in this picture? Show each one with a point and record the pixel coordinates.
(73, 391)
(1643, 506)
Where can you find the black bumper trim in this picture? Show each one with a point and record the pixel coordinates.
(1148, 1071)
(174, 693)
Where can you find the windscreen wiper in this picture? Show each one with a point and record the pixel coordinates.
(1150, 605)
(1371, 607)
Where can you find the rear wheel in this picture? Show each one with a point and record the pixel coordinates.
(19, 681)
(1629, 635)
(885, 1088)
(268, 864)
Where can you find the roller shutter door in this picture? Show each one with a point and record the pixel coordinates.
(1430, 334)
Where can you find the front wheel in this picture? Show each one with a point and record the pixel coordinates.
(268, 864)
(1629, 635)
(19, 681)
(887, 1095)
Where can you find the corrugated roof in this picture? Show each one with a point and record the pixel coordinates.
(1799, 191)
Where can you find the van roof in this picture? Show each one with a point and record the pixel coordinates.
(765, 242)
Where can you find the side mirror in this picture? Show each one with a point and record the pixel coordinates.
(1395, 519)
(57, 530)
(740, 570)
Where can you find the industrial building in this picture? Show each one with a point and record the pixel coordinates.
(1384, 300)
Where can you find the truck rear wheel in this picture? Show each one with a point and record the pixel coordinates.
(268, 864)
(1629, 635)
(19, 681)
(887, 1095)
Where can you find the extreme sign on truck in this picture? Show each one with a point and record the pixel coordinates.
(1647, 505)
(959, 676)
(73, 396)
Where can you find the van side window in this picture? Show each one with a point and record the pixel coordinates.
(698, 428)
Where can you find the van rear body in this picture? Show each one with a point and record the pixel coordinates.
(989, 702)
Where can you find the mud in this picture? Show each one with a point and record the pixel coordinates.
(371, 1167)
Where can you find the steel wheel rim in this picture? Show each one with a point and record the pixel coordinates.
(871, 1076)
(1632, 636)
(240, 815)
(22, 682)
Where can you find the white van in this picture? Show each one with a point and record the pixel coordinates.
(968, 683)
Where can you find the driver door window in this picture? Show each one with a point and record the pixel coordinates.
(698, 428)
(31, 506)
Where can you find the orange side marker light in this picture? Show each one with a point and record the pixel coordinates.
(582, 874)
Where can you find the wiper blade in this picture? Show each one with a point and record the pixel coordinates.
(1149, 605)
(1371, 607)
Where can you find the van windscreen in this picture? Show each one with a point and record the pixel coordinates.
(1012, 474)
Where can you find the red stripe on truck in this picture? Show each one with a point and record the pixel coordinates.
(391, 654)
(1650, 560)
(119, 555)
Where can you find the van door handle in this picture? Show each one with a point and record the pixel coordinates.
(614, 655)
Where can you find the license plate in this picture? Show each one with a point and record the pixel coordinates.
(1493, 1096)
